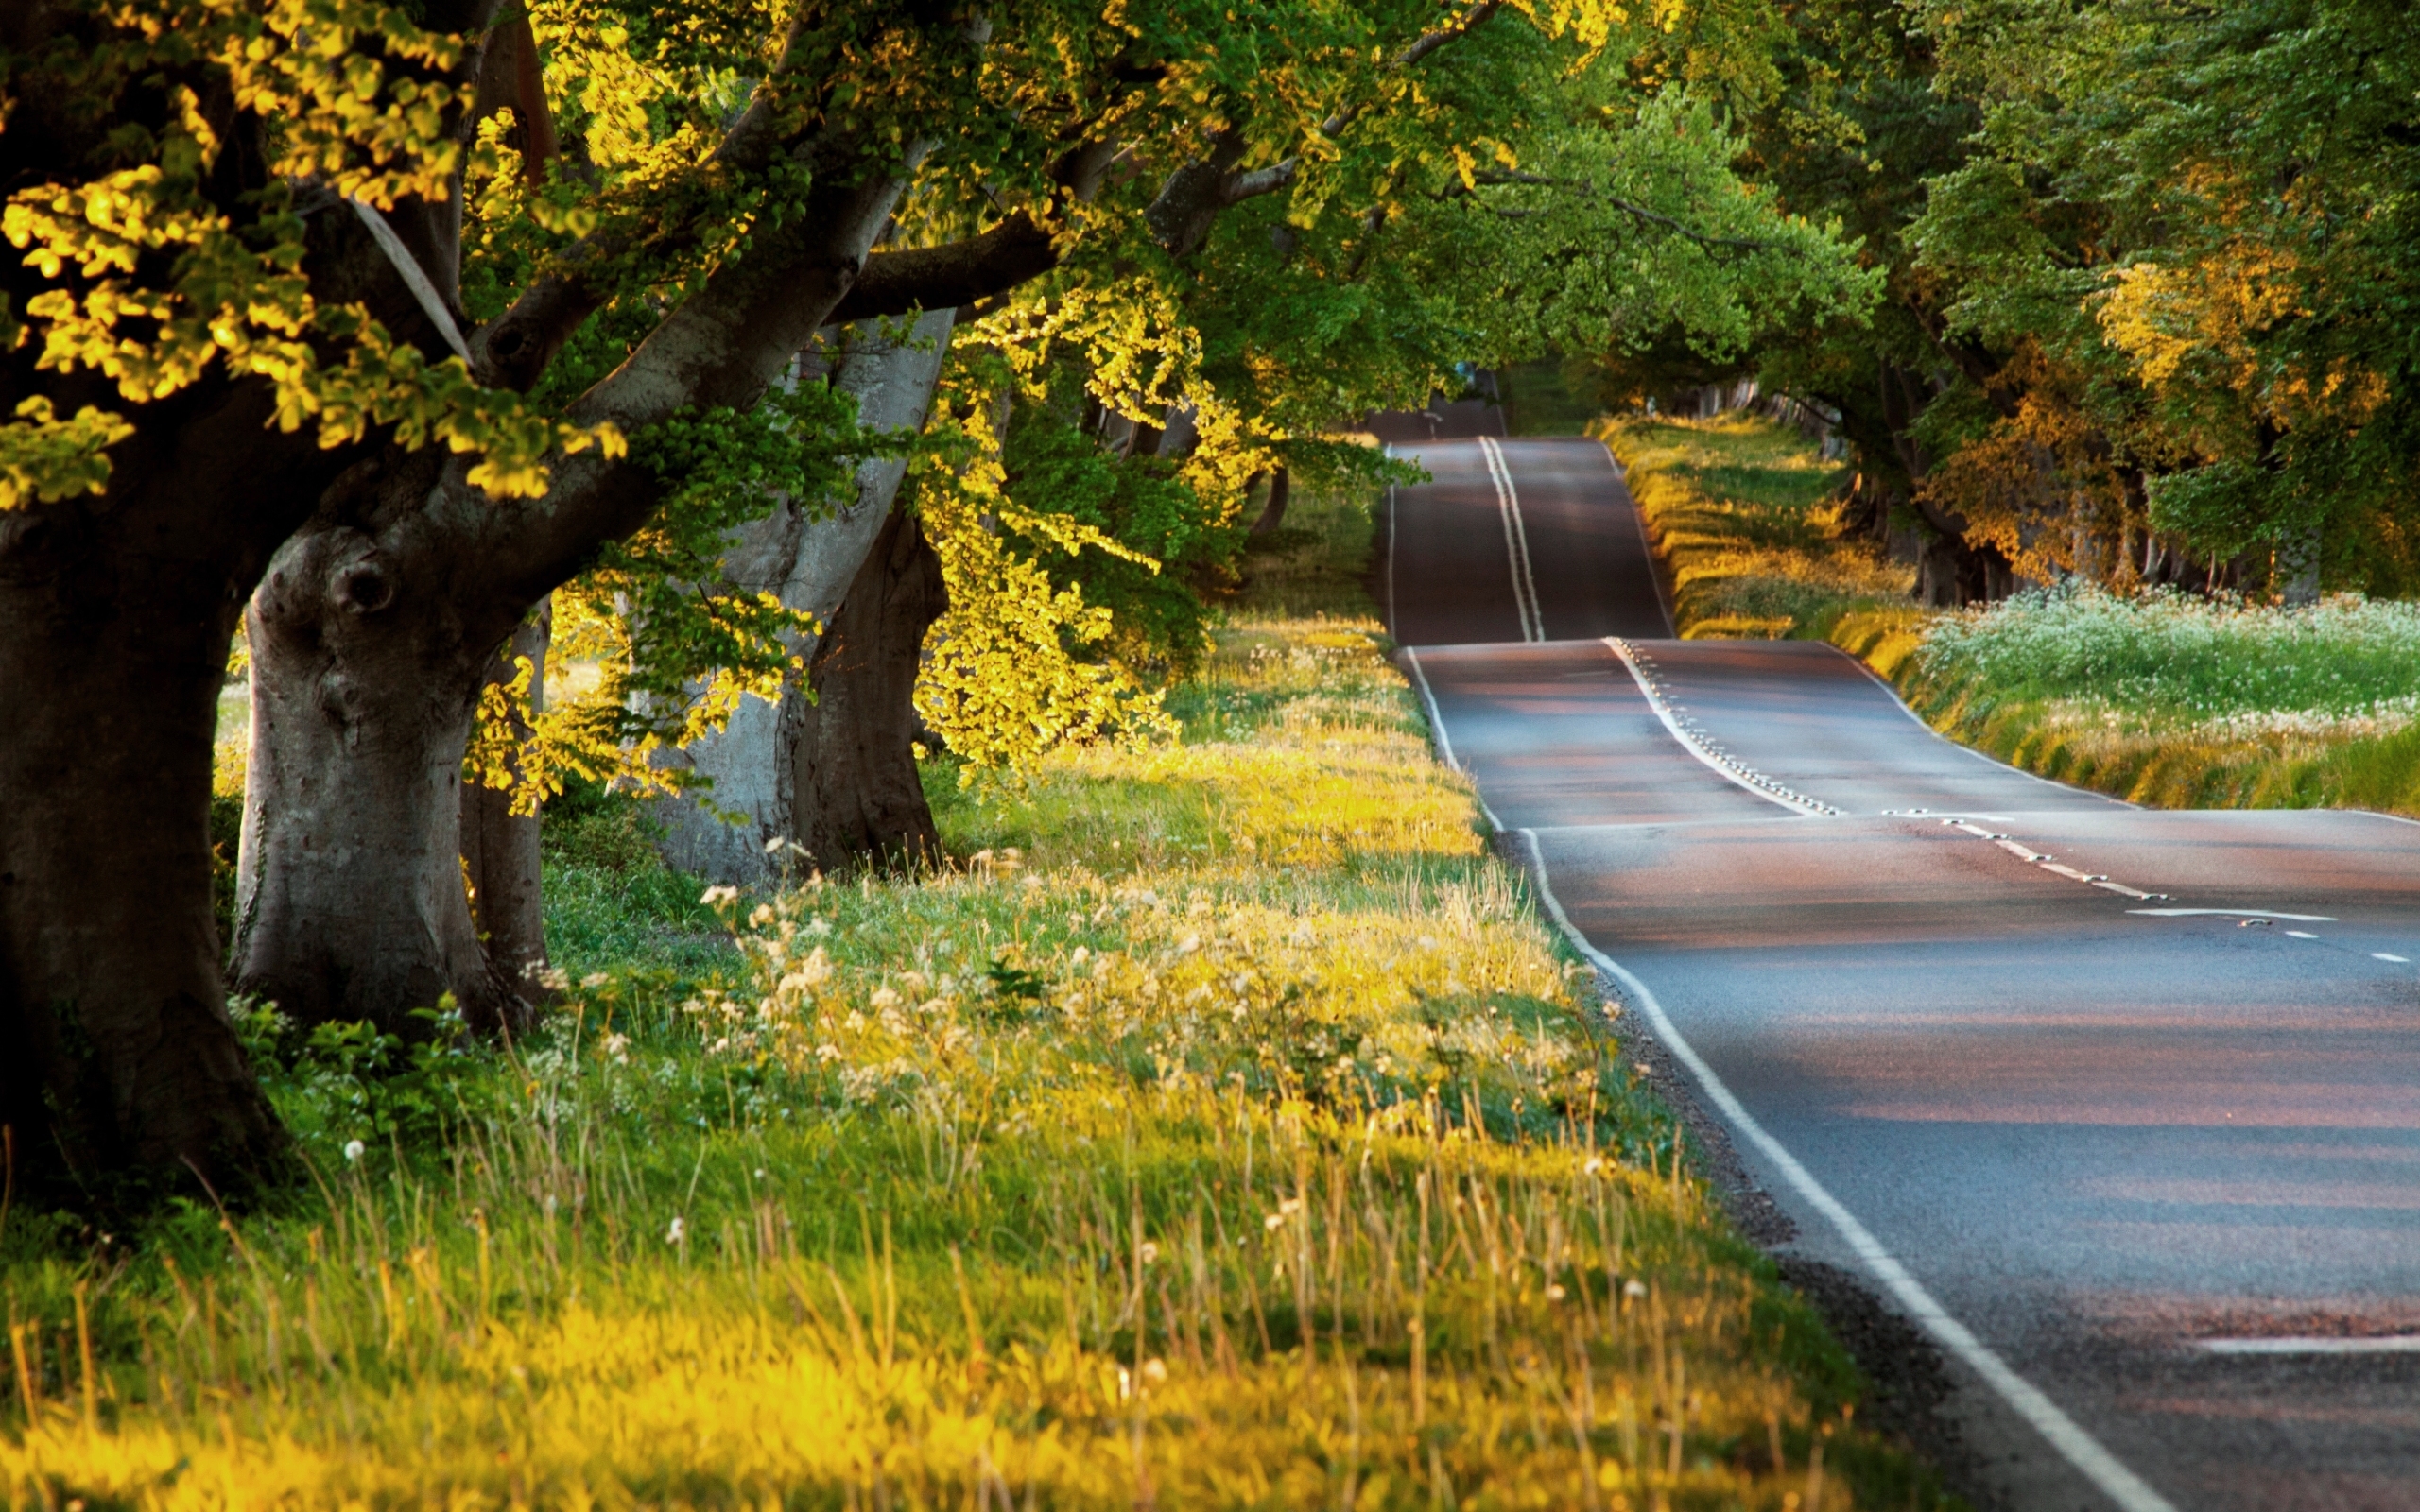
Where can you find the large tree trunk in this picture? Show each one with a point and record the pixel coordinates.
(854, 765)
(117, 1059)
(500, 858)
(812, 563)
(350, 897)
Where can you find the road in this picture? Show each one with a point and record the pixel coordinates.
(2120, 1106)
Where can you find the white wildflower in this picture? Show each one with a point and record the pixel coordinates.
(677, 1233)
(354, 1150)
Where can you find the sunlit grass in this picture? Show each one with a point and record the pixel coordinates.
(1743, 513)
(2181, 701)
(1219, 1129)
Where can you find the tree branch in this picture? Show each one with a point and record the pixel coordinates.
(953, 275)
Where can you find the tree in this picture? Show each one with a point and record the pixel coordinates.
(206, 330)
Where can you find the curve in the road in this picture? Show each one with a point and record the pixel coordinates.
(2086, 1087)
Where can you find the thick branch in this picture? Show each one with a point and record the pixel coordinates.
(512, 351)
(953, 275)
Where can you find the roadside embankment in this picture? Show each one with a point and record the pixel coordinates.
(1223, 1128)
(2166, 700)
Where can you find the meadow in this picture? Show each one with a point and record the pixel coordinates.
(1219, 1129)
(2163, 699)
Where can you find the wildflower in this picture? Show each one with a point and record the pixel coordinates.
(1286, 1207)
(718, 896)
(827, 1052)
(1148, 1253)
(884, 999)
(617, 1048)
(761, 915)
(1555, 1292)
(677, 1233)
(1154, 1371)
(1189, 945)
(1596, 1166)
(1081, 956)
(1634, 1289)
(595, 980)
(354, 1150)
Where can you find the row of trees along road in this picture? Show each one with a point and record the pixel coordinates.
(710, 342)
(2152, 285)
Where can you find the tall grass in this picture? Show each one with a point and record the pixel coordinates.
(1744, 516)
(2221, 667)
(2179, 701)
(1222, 1130)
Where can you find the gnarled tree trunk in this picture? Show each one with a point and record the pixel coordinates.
(379, 621)
(860, 795)
(813, 564)
(350, 897)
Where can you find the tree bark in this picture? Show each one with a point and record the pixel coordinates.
(350, 900)
(812, 565)
(500, 857)
(118, 1063)
(860, 798)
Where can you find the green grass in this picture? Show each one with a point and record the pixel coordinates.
(1743, 515)
(1219, 1129)
(2178, 701)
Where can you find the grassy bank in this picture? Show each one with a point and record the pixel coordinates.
(1222, 1130)
(1741, 512)
(2170, 701)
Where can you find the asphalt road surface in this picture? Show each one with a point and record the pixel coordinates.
(2120, 1106)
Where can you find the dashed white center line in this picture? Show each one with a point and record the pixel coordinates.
(2385, 955)
(2301, 934)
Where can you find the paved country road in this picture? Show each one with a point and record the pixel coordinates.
(2121, 1108)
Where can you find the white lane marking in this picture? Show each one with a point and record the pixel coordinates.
(2048, 863)
(1516, 541)
(2231, 913)
(2076, 1447)
(2384, 956)
(1747, 777)
(2386, 1343)
(1437, 726)
(1646, 547)
(2126, 891)
(2301, 934)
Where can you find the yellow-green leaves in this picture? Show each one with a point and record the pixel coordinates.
(44, 457)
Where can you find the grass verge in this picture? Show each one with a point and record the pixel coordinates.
(1741, 512)
(2168, 701)
(1225, 1131)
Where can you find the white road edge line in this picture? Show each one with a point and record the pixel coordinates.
(1437, 727)
(1516, 541)
(2076, 1447)
(2382, 1344)
(1756, 783)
